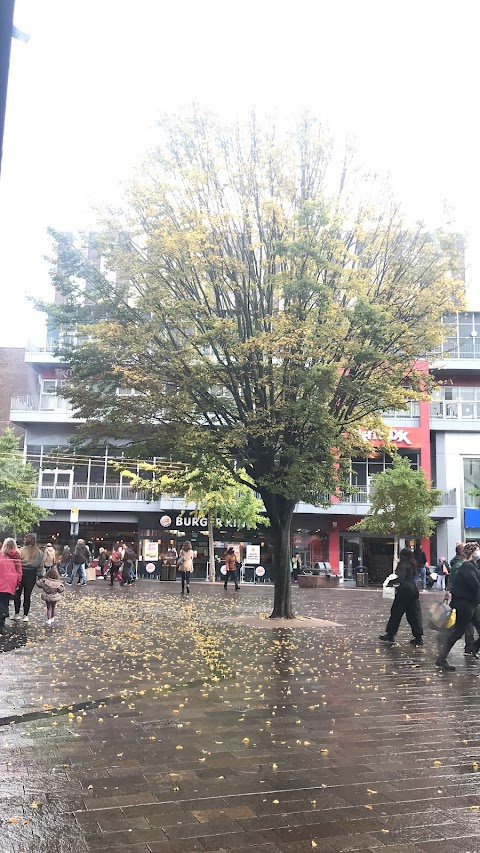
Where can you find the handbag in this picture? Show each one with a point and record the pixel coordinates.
(388, 590)
(439, 616)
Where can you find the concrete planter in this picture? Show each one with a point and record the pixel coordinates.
(314, 581)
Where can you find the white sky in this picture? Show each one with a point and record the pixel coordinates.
(86, 89)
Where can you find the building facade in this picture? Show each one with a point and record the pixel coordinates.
(427, 433)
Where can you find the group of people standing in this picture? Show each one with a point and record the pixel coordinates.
(20, 571)
(463, 597)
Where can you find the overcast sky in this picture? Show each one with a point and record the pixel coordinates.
(86, 89)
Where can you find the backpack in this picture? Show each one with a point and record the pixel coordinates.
(116, 558)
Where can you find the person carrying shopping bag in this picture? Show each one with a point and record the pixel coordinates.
(465, 600)
(406, 601)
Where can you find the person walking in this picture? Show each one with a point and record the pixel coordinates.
(231, 566)
(421, 562)
(49, 557)
(185, 566)
(465, 600)
(10, 576)
(406, 601)
(65, 565)
(297, 566)
(32, 567)
(102, 560)
(115, 562)
(53, 588)
(128, 569)
(455, 564)
(81, 559)
(443, 570)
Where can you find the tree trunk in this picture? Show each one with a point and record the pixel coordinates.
(211, 550)
(395, 553)
(280, 512)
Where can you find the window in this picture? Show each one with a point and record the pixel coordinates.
(471, 480)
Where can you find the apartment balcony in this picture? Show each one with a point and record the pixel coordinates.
(44, 408)
(358, 504)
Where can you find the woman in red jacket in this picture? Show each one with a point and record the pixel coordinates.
(10, 576)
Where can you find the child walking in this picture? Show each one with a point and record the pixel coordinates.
(185, 565)
(53, 589)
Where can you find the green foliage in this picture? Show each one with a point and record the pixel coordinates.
(401, 502)
(18, 513)
(211, 487)
(261, 315)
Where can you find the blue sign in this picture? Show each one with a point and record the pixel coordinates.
(472, 518)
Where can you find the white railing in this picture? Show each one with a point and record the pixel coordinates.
(43, 403)
(92, 492)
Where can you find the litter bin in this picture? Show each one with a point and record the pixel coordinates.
(164, 572)
(361, 576)
(172, 573)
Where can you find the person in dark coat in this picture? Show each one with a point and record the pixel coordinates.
(406, 601)
(421, 564)
(465, 600)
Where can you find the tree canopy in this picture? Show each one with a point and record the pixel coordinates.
(401, 502)
(18, 513)
(260, 303)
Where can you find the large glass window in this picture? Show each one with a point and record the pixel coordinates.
(471, 480)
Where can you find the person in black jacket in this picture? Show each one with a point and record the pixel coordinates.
(465, 599)
(406, 601)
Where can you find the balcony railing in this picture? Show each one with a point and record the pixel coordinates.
(42, 403)
(92, 492)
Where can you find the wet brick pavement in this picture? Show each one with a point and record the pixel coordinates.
(148, 723)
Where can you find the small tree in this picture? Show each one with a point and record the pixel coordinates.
(213, 490)
(402, 501)
(18, 513)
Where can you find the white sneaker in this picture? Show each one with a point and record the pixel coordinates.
(17, 617)
(25, 619)
(424, 590)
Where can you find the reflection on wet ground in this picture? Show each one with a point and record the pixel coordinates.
(146, 723)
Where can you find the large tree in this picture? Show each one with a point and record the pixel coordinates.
(262, 304)
(18, 513)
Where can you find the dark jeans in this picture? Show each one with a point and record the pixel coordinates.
(405, 602)
(28, 581)
(113, 572)
(466, 614)
(233, 577)
(185, 576)
(4, 607)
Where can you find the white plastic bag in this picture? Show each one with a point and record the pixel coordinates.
(389, 591)
(438, 615)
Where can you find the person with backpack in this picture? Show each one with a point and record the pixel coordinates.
(465, 600)
(116, 561)
(185, 566)
(49, 557)
(128, 570)
(81, 559)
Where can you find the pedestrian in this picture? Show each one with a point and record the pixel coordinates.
(185, 566)
(465, 600)
(421, 562)
(65, 564)
(442, 569)
(10, 576)
(297, 566)
(231, 566)
(32, 567)
(49, 557)
(53, 588)
(406, 601)
(81, 559)
(102, 560)
(128, 569)
(115, 562)
(455, 564)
